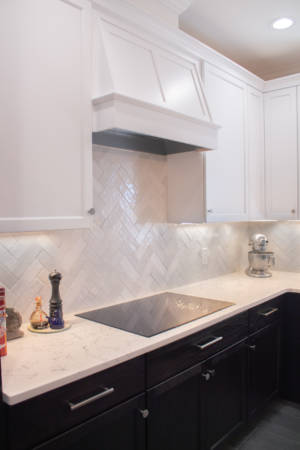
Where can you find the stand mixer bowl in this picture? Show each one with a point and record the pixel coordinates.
(259, 263)
(260, 260)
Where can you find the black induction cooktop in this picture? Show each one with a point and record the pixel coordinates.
(149, 316)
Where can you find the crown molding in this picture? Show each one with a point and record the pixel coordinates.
(178, 6)
(282, 82)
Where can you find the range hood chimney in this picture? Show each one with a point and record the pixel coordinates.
(148, 94)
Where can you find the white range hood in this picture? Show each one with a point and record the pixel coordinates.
(145, 87)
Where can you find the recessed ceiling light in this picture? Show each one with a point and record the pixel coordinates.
(283, 23)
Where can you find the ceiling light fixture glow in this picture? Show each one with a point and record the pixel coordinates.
(283, 23)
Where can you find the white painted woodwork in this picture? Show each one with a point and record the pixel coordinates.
(45, 114)
(298, 145)
(281, 154)
(167, 11)
(117, 111)
(256, 155)
(226, 177)
(135, 77)
(282, 83)
(186, 182)
(131, 17)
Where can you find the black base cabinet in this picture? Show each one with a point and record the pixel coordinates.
(174, 406)
(290, 374)
(201, 406)
(223, 396)
(99, 411)
(3, 443)
(263, 371)
(121, 428)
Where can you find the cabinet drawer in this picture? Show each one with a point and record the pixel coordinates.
(172, 359)
(122, 427)
(264, 314)
(40, 418)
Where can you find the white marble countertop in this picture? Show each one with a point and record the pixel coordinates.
(38, 363)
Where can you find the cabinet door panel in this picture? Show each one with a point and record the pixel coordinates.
(263, 351)
(256, 155)
(281, 154)
(180, 76)
(226, 167)
(45, 159)
(2, 417)
(223, 396)
(174, 418)
(290, 386)
(120, 428)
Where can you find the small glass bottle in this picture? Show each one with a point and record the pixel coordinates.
(38, 319)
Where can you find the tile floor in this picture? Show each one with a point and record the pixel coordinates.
(277, 429)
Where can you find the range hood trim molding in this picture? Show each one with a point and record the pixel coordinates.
(115, 96)
(116, 111)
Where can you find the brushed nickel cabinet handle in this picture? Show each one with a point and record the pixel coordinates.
(104, 393)
(144, 413)
(268, 313)
(206, 376)
(252, 347)
(209, 343)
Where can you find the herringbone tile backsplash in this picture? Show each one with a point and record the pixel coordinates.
(130, 251)
(284, 241)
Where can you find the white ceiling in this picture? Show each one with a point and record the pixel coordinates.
(241, 30)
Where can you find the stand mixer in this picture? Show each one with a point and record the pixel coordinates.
(260, 260)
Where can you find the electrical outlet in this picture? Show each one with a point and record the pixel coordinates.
(204, 256)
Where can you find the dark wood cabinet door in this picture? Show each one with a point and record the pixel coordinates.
(3, 442)
(120, 428)
(290, 373)
(263, 372)
(174, 412)
(223, 395)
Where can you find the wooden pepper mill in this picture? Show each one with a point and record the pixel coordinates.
(56, 320)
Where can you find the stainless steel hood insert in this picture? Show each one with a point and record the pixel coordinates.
(143, 143)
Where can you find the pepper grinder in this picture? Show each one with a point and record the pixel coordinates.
(56, 320)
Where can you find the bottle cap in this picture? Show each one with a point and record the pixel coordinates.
(2, 291)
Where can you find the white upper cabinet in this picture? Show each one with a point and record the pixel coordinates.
(226, 177)
(256, 155)
(45, 114)
(281, 154)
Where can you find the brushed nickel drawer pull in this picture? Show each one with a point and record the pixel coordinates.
(252, 347)
(105, 393)
(269, 313)
(144, 413)
(209, 343)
